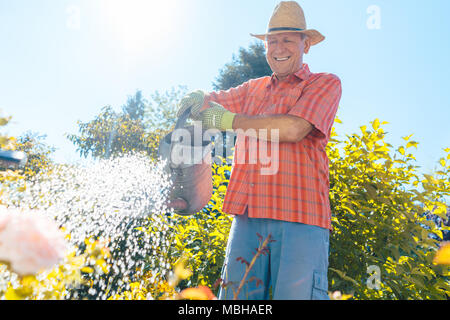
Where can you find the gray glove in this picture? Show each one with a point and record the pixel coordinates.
(193, 100)
(217, 117)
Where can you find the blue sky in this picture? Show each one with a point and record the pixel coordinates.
(63, 60)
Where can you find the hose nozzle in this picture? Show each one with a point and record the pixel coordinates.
(12, 159)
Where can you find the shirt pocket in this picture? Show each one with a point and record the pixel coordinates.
(278, 102)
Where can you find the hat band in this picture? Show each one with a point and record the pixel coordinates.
(285, 29)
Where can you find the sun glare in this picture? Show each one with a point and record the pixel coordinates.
(140, 24)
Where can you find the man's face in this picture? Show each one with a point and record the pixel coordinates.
(285, 53)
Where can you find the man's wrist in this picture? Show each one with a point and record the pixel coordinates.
(227, 121)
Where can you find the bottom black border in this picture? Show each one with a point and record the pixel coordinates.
(273, 309)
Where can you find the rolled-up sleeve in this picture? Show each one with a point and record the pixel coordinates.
(319, 102)
(232, 99)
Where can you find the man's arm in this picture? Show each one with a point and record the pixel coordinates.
(232, 99)
(278, 128)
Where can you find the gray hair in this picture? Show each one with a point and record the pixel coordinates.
(303, 35)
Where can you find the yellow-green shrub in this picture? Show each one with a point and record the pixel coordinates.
(379, 218)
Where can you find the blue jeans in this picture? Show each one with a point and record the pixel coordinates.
(295, 266)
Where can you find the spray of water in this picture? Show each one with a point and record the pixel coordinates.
(118, 201)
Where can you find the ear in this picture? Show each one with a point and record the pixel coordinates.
(307, 43)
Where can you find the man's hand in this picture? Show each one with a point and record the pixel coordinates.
(193, 100)
(217, 117)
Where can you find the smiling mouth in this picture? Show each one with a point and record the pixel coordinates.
(281, 59)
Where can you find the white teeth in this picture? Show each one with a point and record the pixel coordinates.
(281, 59)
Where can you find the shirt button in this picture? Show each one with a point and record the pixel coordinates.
(252, 185)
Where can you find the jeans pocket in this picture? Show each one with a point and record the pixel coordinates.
(320, 286)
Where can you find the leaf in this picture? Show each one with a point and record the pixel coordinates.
(441, 210)
(381, 149)
(12, 294)
(348, 209)
(408, 137)
(371, 190)
(376, 124)
(412, 144)
(430, 179)
(87, 270)
(402, 151)
(386, 201)
(180, 270)
(363, 129)
(443, 255)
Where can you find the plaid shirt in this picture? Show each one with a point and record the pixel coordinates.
(299, 190)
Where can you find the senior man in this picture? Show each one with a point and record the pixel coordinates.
(295, 108)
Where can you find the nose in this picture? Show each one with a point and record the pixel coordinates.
(279, 48)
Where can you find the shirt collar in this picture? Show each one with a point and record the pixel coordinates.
(302, 74)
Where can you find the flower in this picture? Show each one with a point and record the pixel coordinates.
(199, 293)
(29, 241)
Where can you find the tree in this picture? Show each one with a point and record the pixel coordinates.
(135, 107)
(250, 63)
(38, 153)
(112, 134)
(161, 111)
(137, 128)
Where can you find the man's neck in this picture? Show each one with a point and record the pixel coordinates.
(282, 78)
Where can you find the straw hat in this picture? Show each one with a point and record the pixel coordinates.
(288, 16)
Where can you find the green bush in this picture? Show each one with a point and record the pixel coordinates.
(379, 219)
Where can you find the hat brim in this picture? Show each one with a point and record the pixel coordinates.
(314, 35)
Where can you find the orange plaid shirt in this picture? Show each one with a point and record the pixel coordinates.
(299, 189)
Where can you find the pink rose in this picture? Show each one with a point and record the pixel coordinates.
(29, 241)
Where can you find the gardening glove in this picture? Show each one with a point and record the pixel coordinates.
(217, 117)
(193, 100)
